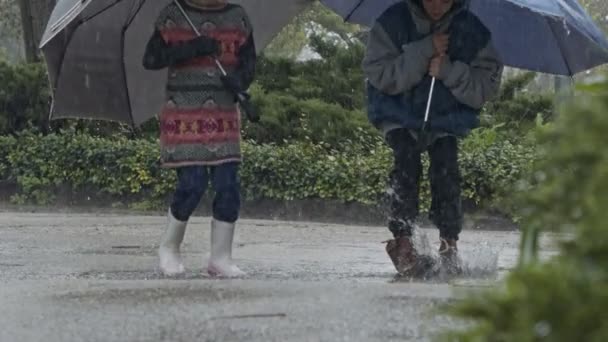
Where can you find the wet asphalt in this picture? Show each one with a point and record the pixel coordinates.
(82, 277)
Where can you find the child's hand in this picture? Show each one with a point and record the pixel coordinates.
(441, 41)
(436, 64)
(206, 46)
(232, 84)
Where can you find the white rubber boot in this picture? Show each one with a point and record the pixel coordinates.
(220, 263)
(170, 259)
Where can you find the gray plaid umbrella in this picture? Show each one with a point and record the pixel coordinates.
(94, 50)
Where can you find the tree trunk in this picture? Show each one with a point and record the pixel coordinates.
(562, 84)
(34, 17)
(28, 35)
(563, 90)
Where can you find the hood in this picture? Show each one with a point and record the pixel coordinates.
(418, 10)
(206, 4)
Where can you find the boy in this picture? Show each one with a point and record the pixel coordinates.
(413, 41)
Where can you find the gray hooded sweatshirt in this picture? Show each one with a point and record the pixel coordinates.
(397, 69)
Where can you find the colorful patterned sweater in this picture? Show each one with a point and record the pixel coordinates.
(200, 121)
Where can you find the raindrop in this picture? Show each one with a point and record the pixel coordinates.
(540, 176)
(542, 329)
(577, 213)
(566, 27)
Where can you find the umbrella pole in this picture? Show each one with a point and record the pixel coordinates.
(428, 104)
(422, 136)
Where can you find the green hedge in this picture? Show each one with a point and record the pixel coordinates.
(129, 169)
(286, 119)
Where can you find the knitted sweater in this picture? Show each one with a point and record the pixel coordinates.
(200, 121)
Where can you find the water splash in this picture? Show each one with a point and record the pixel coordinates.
(478, 262)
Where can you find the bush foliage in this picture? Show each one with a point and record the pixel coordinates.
(562, 299)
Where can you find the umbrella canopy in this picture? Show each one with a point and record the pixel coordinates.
(550, 36)
(94, 51)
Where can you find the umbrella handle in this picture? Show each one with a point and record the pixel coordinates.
(428, 103)
(198, 33)
(423, 137)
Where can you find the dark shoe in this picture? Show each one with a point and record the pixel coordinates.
(448, 257)
(407, 261)
(402, 253)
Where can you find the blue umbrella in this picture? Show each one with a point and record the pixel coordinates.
(550, 36)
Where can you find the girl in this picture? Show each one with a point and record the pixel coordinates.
(200, 122)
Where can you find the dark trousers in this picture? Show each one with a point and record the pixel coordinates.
(444, 176)
(192, 184)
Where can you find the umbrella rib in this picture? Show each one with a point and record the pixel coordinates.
(102, 10)
(65, 17)
(355, 8)
(124, 67)
(561, 48)
(135, 12)
(80, 21)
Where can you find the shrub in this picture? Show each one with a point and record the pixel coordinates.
(129, 168)
(563, 299)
